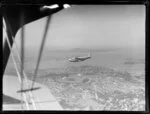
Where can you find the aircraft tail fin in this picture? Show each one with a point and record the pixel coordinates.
(89, 55)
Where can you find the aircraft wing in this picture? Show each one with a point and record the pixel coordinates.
(31, 13)
(79, 58)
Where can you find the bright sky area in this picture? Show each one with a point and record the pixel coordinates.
(90, 26)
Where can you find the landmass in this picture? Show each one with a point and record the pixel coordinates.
(95, 88)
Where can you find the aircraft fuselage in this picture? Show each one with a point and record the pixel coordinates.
(79, 59)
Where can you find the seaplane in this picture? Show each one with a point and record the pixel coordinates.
(80, 58)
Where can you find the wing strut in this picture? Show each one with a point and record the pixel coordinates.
(19, 77)
(41, 50)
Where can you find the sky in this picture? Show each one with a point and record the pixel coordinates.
(90, 26)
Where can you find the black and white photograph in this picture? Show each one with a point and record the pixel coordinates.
(74, 57)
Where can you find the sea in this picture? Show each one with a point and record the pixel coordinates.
(131, 60)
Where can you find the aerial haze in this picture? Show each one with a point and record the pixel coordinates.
(113, 78)
(90, 26)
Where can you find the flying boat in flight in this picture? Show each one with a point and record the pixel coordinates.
(80, 58)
